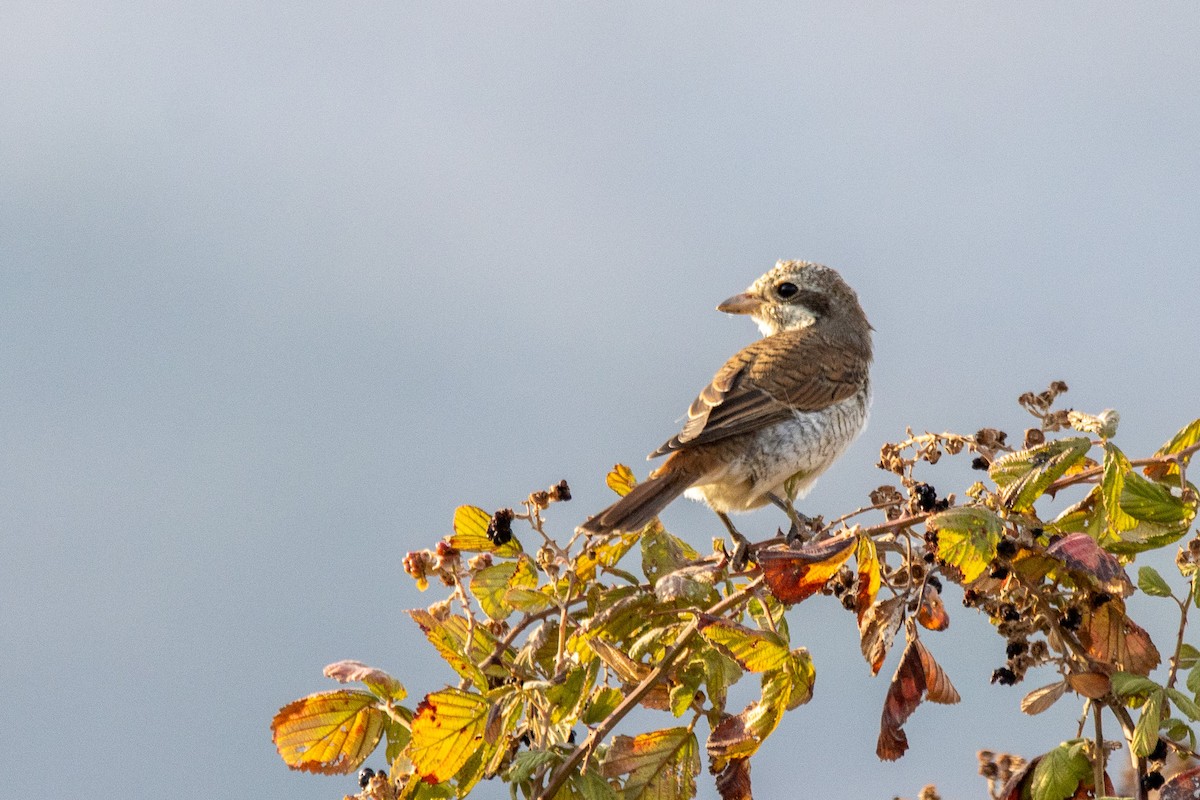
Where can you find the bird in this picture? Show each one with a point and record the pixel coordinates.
(775, 416)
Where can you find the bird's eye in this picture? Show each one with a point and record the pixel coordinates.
(787, 290)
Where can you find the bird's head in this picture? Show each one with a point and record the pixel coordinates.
(797, 294)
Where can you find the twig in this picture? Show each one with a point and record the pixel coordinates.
(1100, 756)
(633, 698)
(1138, 762)
(1184, 605)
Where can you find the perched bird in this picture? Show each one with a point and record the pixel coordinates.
(776, 415)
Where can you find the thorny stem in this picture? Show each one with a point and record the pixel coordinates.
(631, 700)
(1184, 605)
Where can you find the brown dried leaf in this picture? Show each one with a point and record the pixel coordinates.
(1093, 685)
(878, 628)
(938, 688)
(733, 782)
(1110, 637)
(1039, 700)
(378, 681)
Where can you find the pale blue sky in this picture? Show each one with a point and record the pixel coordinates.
(281, 285)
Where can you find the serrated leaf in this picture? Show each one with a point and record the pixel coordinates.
(620, 479)
(1145, 733)
(604, 555)
(1185, 704)
(331, 732)
(489, 586)
(1083, 556)
(1185, 438)
(967, 538)
(565, 696)
(1059, 772)
(447, 730)
(793, 575)
(1193, 680)
(1188, 656)
(1150, 582)
(663, 553)
(529, 601)
(756, 651)
(449, 637)
(590, 786)
(603, 701)
(1041, 699)
(1152, 502)
(1116, 467)
(1111, 637)
(661, 765)
(1023, 476)
(470, 533)
(917, 675)
(1126, 685)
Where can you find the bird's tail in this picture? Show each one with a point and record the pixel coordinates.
(642, 504)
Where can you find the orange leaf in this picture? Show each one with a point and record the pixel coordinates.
(446, 731)
(1112, 638)
(932, 611)
(331, 732)
(793, 575)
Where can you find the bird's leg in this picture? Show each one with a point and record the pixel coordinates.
(800, 523)
(741, 548)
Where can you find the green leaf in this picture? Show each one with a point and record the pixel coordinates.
(663, 553)
(1152, 502)
(1023, 476)
(603, 702)
(1126, 685)
(661, 765)
(1193, 680)
(720, 672)
(489, 585)
(757, 651)
(1116, 467)
(566, 696)
(1188, 656)
(1153, 584)
(967, 538)
(1059, 772)
(1185, 704)
(1145, 734)
(591, 786)
(683, 693)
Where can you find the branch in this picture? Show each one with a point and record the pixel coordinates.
(631, 701)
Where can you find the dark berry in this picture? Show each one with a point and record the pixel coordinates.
(928, 558)
(1160, 751)
(1006, 548)
(561, 492)
(933, 581)
(1037, 533)
(941, 505)
(1015, 649)
(1072, 619)
(926, 496)
(979, 462)
(571, 737)
(364, 777)
(999, 572)
(499, 530)
(1009, 613)
(1004, 676)
(1153, 780)
(1099, 599)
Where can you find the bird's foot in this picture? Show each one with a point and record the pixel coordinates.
(741, 549)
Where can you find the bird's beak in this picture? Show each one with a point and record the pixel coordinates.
(744, 303)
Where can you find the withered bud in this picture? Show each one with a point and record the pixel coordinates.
(446, 550)
(990, 438)
(481, 561)
(540, 499)
(440, 610)
(560, 492)
(1034, 437)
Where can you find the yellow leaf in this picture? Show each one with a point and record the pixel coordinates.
(868, 575)
(1187, 436)
(331, 733)
(446, 731)
(621, 479)
(661, 765)
(757, 651)
(471, 533)
(489, 585)
(1116, 466)
(967, 538)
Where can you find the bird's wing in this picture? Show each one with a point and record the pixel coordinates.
(768, 382)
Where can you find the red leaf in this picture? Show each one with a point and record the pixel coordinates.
(733, 782)
(917, 674)
(1080, 553)
(793, 575)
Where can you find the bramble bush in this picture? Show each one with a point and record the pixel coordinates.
(554, 643)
